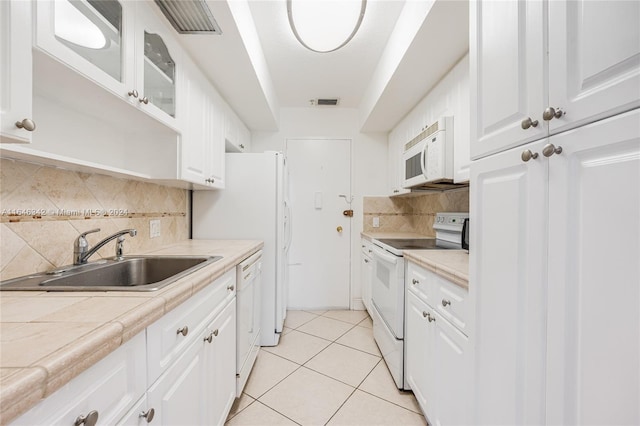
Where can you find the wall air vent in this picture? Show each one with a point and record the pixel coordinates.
(327, 102)
(189, 16)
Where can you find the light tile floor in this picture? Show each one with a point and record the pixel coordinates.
(327, 369)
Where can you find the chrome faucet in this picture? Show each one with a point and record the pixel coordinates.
(82, 252)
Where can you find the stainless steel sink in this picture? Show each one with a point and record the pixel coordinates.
(135, 273)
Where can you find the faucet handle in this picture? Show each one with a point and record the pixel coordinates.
(84, 234)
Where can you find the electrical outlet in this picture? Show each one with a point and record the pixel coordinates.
(376, 222)
(154, 228)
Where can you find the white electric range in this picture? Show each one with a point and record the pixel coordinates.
(388, 289)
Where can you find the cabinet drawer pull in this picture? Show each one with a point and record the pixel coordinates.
(366, 261)
(148, 415)
(28, 125)
(215, 332)
(550, 113)
(431, 318)
(446, 302)
(230, 287)
(183, 330)
(528, 155)
(425, 314)
(89, 420)
(550, 149)
(414, 281)
(528, 122)
(209, 338)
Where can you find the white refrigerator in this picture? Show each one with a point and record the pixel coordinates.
(254, 205)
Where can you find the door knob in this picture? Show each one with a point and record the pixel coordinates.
(528, 155)
(550, 149)
(28, 125)
(527, 122)
(339, 229)
(550, 113)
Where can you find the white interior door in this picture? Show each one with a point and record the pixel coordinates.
(319, 257)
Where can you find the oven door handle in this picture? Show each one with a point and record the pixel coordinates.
(382, 255)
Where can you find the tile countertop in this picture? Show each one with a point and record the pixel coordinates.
(450, 264)
(47, 339)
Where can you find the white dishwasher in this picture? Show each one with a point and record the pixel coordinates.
(248, 302)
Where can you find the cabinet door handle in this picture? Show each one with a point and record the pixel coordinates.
(446, 302)
(366, 261)
(550, 149)
(425, 314)
(431, 318)
(527, 122)
(133, 93)
(230, 287)
(183, 330)
(148, 415)
(242, 146)
(550, 113)
(528, 155)
(215, 332)
(209, 338)
(144, 100)
(414, 281)
(26, 124)
(89, 420)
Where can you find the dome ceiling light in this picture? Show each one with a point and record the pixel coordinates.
(325, 25)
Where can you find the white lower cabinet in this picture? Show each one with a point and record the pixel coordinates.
(180, 371)
(366, 273)
(108, 389)
(199, 388)
(436, 351)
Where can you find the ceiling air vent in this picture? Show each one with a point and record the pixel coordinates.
(327, 102)
(189, 16)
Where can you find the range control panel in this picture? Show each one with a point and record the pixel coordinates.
(451, 218)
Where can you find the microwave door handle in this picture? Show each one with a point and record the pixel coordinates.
(423, 156)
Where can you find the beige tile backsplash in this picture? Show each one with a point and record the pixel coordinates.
(43, 209)
(415, 213)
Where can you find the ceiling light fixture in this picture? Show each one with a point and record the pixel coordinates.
(325, 25)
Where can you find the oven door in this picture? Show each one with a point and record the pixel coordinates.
(388, 289)
(413, 162)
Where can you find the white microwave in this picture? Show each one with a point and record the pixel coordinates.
(428, 158)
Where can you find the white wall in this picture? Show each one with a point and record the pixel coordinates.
(368, 162)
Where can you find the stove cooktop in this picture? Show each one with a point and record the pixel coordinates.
(410, 244)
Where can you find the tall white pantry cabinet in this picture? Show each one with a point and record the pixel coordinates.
(555, 212)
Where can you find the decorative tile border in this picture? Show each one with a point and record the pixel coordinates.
(81, 215)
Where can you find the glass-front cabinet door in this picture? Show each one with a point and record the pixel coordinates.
(159, 74)
(90, 36)
(157, 65)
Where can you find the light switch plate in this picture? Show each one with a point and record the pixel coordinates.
(154, 228)
(376, 222)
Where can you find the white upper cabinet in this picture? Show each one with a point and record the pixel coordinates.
(94, 38)
(237, 136)
(539, 68)
(157, 63)
(508, 74)
(16, 119)
(594, 60)
(395, 147)
(123, 46)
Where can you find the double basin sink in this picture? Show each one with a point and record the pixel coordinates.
(135, 273)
